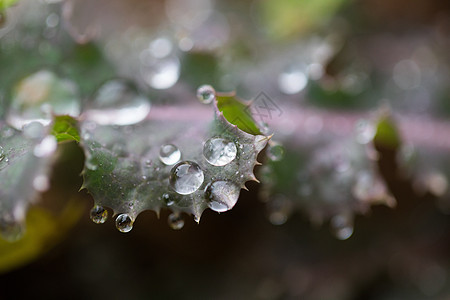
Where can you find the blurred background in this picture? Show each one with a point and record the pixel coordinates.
(335, 59)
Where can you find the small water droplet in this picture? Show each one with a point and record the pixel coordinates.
(292, 81)
(275, 152)
(222, 195)
(279, 210)
(175, 221)
(342, 226)
(169, 154)
(46, 147)
(206, 94)
(167, 199)
(117, 103)
(219, 151)
(124, 223)
(99, 214)
(186, 177)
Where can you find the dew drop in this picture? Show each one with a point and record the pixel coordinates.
(342, 226)
(124, 223)
(167, 199)
(99, 215)
(38, 96)
(160, 73)
(186, 177)
(175, 221)
(292, 81)
(206, 94)
(46, 147)
(169, 154)
(221, 195)
(219, 151)
(275, 152)
(117, 103)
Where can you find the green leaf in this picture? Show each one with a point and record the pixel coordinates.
(65, 129)
(123, 169)
(4, 4)
(237, 113)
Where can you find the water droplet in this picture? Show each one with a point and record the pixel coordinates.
(52, 20)
(292, 81)
(160, 47)
(279, 210)
(206, 94)
(99, 215)
(342, 226)
(219, 151)
(160, 73)
(124, 223)
(39, 95)
(167, 199)
(41, 183)
(175, 221)
(364, 132)
(34, 130)
(186, 177)
(275, 152)
(222, 195)
(46, 147)
(117, 103)
(169, 154)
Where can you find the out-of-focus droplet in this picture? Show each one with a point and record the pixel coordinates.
(46, 147)
(222, 195)
(124, 223)
(160, 73)
(206, 94)
(342, 226)
(407, 74)
(41, 183)
(175, 221)
(279, 209)
(186, 177)
(437, 183)
(34, 130)
(315, 71)
(52, 20)
(275, 152)
(365, 132)
(292, 81)
(117, 103)
(99, 214)
(219, 152)
(40, 95)
(169, 154)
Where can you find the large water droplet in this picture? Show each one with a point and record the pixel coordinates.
(275, 152)
(124, 223)
(169, 154)
(222, 195)
(46, 147)
(39, 95)
(99, 214)
(186, 177)
(175, 221)
(160, 73)
(206, 94)
(219, 151)
(117, 103)
(342, 226)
